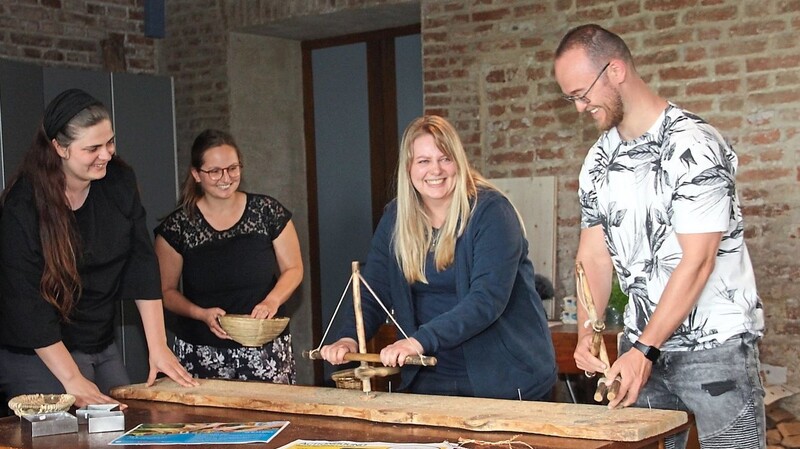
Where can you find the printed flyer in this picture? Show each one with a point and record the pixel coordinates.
(202, 433)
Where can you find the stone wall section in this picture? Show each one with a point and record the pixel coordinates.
(103, 34)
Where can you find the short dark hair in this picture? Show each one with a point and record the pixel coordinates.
(600, 44)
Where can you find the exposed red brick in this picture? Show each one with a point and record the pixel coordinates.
(755, 28)
(695, 54)
(682, 73)
(713, 87)
(664, 21)
(763, 174)
(788, 6)
(763, 137)
(772, 63)
(668, 5)
(530, 10)
(595, 14)
(492, 15)
(705, 15)
(726, 68)
(775, 98)
(519, 157)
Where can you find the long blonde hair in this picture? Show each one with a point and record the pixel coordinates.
(413, 233)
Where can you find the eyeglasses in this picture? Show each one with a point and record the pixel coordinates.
(582, 98)
(215, 174)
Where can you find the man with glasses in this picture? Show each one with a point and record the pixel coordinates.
(659, 207)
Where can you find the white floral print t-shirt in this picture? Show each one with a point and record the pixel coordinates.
(676, 178)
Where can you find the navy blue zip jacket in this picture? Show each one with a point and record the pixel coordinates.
(499, 320)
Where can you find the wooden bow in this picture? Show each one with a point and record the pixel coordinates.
(598, 347)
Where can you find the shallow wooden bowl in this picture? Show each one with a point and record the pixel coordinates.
(249, 331)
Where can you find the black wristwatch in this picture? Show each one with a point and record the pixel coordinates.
(650, 352)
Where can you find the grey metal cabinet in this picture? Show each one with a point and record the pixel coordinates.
(142, 110)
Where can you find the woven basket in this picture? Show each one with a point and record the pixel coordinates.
(34, 404)
(249, 331)
(346, 379)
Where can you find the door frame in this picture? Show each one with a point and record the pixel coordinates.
(383, 141)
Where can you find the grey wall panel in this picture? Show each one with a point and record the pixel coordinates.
(21, 110)
(145, 131)
(408, 72)
(59, 79)
(343, 167)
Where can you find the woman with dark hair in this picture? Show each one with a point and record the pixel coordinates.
(73, 241)
(237, 253)
(451, 258)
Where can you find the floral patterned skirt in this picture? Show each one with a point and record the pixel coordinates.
(272, 362)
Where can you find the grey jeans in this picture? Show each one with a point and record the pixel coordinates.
(27, 374)
(721, 386)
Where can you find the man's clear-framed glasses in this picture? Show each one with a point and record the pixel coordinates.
(582, 98)
(215, 174)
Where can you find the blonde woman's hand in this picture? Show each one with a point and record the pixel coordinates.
(334, 353)
(395, 354)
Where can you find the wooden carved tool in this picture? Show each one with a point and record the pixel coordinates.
(425, 360)
(598, 348)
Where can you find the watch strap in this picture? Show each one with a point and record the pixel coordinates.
(650, 352)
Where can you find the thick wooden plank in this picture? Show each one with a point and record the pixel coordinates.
(546, 418)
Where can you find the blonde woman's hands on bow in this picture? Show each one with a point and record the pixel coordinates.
(395, 354)
(334, 352)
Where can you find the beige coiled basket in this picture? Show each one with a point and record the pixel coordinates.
(249, 331)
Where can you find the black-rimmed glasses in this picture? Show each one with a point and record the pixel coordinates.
(582, 98)
(215, 174)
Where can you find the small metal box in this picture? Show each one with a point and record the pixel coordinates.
(49, 424)
(102, 418)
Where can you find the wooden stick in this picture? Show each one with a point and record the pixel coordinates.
(366, 386)
(601, 390)
(375, 371)
(598, 348)
(424, 360)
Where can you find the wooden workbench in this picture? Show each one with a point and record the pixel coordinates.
(300, 427)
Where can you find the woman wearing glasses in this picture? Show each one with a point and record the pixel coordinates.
(73, 243)
(237, 253)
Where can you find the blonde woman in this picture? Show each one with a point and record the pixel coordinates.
(451, 258)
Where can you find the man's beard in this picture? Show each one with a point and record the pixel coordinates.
(614, 114)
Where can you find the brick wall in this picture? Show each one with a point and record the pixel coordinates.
(488, 67)
(102, 34)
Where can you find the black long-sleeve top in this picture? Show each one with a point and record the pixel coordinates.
(116, 262)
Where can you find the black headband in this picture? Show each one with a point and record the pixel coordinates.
(63, 108)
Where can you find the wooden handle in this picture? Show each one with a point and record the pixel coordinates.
(375, 371)
(374, 358)
(603, 389)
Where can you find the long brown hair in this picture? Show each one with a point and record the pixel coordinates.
(43, 168)
(191, 191)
